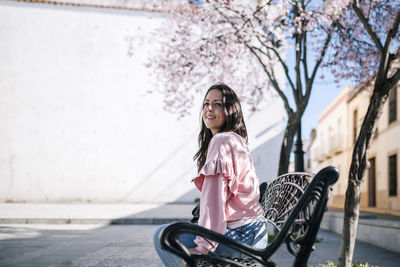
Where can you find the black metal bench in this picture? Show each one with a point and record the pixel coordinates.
(293, 203)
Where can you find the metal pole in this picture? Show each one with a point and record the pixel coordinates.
(299, 153)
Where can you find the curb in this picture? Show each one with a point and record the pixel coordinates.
(377, 232)
(121, 221)
(369, 210)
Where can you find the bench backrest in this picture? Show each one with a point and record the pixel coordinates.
(281, 195)
(295, 203)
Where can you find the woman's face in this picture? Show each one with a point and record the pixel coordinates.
(213, 111)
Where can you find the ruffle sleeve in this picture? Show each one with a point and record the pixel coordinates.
(215, 167)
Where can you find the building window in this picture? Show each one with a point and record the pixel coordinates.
(393, 105)
(355, 115)
(393, 175)
(371, 183)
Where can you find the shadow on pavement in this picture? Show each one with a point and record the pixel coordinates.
(77, 245)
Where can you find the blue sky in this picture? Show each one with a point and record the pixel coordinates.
(324, 92)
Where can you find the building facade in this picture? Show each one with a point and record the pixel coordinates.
(336, 133)
(382, 188)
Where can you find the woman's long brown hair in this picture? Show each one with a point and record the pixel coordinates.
(234, 121)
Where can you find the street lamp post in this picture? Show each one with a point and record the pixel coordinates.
(299, 153)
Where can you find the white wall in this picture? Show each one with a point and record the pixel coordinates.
(76, 122)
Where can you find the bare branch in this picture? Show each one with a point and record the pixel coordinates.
(392, 81)
(304, 59)
(385, 61)
(238, 29)
(225, 16)
(298, 72)
(393, 31)
(274, 82)
(318, 63)
(279, 58)
(303, 55)
(299, 50)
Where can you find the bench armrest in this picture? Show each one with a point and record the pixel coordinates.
(168, 239)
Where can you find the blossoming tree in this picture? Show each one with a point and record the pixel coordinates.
(243, 43)
(367, 50)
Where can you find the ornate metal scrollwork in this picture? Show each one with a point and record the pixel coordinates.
(280, 196)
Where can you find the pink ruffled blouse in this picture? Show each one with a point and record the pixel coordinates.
(229, 186)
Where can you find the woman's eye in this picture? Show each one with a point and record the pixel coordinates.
(205, 105)
(218, 105)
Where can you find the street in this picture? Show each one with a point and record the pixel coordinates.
(131, 245)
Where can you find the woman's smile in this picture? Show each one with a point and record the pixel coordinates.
(213, 111)
(210, 117)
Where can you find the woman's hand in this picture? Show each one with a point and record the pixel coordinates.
(192, 251)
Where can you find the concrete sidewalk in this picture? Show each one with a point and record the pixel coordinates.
(39, 213)
(36, 245)
(81, 235)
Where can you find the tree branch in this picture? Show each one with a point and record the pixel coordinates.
(298, 48)
(298, 72)
(303, 45)
(371, 33)
(392, 32)
(386, 62)
(279, 58)
(273, 81)
(238, 29)
(318, 63)
(392, 81)
(304, 60)
(225, 16)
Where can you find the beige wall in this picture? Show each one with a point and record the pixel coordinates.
(330, 143)
(357, 102)
(385, 144)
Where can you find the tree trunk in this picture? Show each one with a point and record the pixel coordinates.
(350, 223)
(357, 173)
(287, 144)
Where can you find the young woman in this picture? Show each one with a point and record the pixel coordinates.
(227, 180)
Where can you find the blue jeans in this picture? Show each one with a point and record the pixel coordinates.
(254, 234)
